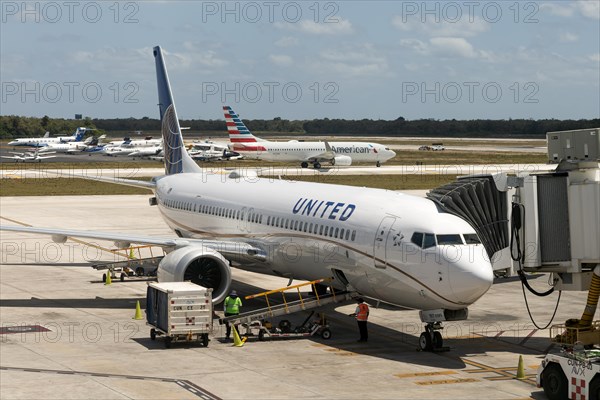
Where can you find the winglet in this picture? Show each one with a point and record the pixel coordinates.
(176, 157)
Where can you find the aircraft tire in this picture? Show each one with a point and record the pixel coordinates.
(425, 342)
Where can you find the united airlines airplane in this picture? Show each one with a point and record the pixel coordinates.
(315, 153)
(382, 244)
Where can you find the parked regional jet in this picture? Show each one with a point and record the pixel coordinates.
(46, 140)
(315, 153)
(389, 246)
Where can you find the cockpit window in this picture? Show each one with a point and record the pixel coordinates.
(417, 238)
(449, 239)
(429, 241)
(471, 238)
(423, 240)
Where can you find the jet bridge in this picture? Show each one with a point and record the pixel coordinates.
(553, 221)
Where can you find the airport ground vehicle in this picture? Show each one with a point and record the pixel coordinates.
(315, 327)
(179, 311)
(573, 374)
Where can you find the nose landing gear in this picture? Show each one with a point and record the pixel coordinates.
(431, 339)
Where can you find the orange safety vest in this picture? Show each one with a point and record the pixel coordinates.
(362, 312)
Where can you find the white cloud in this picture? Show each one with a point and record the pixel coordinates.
(447, 47)
(595, 57)
(589, 8)
(567, 37)
(557, 9)
(452, 47)
(460, 28)
(340, 27)
(281, 60)
(352, 61)
(287, 41)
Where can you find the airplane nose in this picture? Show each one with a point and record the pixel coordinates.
(472, 277)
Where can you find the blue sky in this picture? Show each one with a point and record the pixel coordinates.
(305, 59)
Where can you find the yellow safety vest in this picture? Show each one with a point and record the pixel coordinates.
(232, 306)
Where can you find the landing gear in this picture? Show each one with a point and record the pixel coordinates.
(378, 164)
(304, 164)
(317, 165)
(431, 339)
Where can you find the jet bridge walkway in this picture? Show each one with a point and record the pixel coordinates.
(304, 303)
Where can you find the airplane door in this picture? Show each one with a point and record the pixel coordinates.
(380, 245)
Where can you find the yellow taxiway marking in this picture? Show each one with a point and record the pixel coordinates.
(503, 372)
(447, 381)
(419, 374)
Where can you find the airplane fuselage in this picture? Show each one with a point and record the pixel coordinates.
(312, 231)
(304, 151)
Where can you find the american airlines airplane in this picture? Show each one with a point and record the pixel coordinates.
(386, 245)
(46, 140)
(315, 153)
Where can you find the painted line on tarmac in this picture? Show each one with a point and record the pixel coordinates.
(184, 384)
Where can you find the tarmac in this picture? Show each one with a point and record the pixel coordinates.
(66, 335)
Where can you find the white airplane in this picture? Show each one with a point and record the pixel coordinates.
(74, 147)
(315, 153)
(146, 151)
(29, 156)
(46, 140)
(127, 146)
(211, 151)
(386, 245)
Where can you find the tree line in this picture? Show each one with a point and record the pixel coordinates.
(16, 126)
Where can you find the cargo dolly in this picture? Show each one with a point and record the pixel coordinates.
(256, 320)
(132, 267)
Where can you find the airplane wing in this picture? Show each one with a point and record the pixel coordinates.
(232, 250)
(327, 155)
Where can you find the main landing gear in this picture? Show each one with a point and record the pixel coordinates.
(431, 339)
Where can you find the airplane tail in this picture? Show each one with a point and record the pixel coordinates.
(176, 158)
(238, 132)
(79, 132)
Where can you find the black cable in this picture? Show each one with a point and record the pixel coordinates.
(516, 222)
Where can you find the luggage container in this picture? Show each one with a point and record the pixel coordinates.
(179, 311)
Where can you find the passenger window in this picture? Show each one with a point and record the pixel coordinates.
(429, 241)
(336, 232)
(269, 220)
(471, 238)
(326, 230)
(417, 238)
(348, 234)
(353, 236)
(453, 239)
(310, 228)
(295, 225)
(342, 233)
(320, 229)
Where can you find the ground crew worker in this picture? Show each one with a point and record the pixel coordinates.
(362, 315)
(231, 307)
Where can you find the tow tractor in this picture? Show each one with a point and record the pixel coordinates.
(574, 373)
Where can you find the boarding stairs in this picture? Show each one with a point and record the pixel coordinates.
(304, 303)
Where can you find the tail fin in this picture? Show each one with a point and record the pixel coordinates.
(238, 132)
(176, 157)
(79, 132)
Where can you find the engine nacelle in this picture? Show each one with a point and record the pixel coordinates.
(342, 161)
(202, 266)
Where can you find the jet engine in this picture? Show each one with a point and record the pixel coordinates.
(342, 161)
(202, 266)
